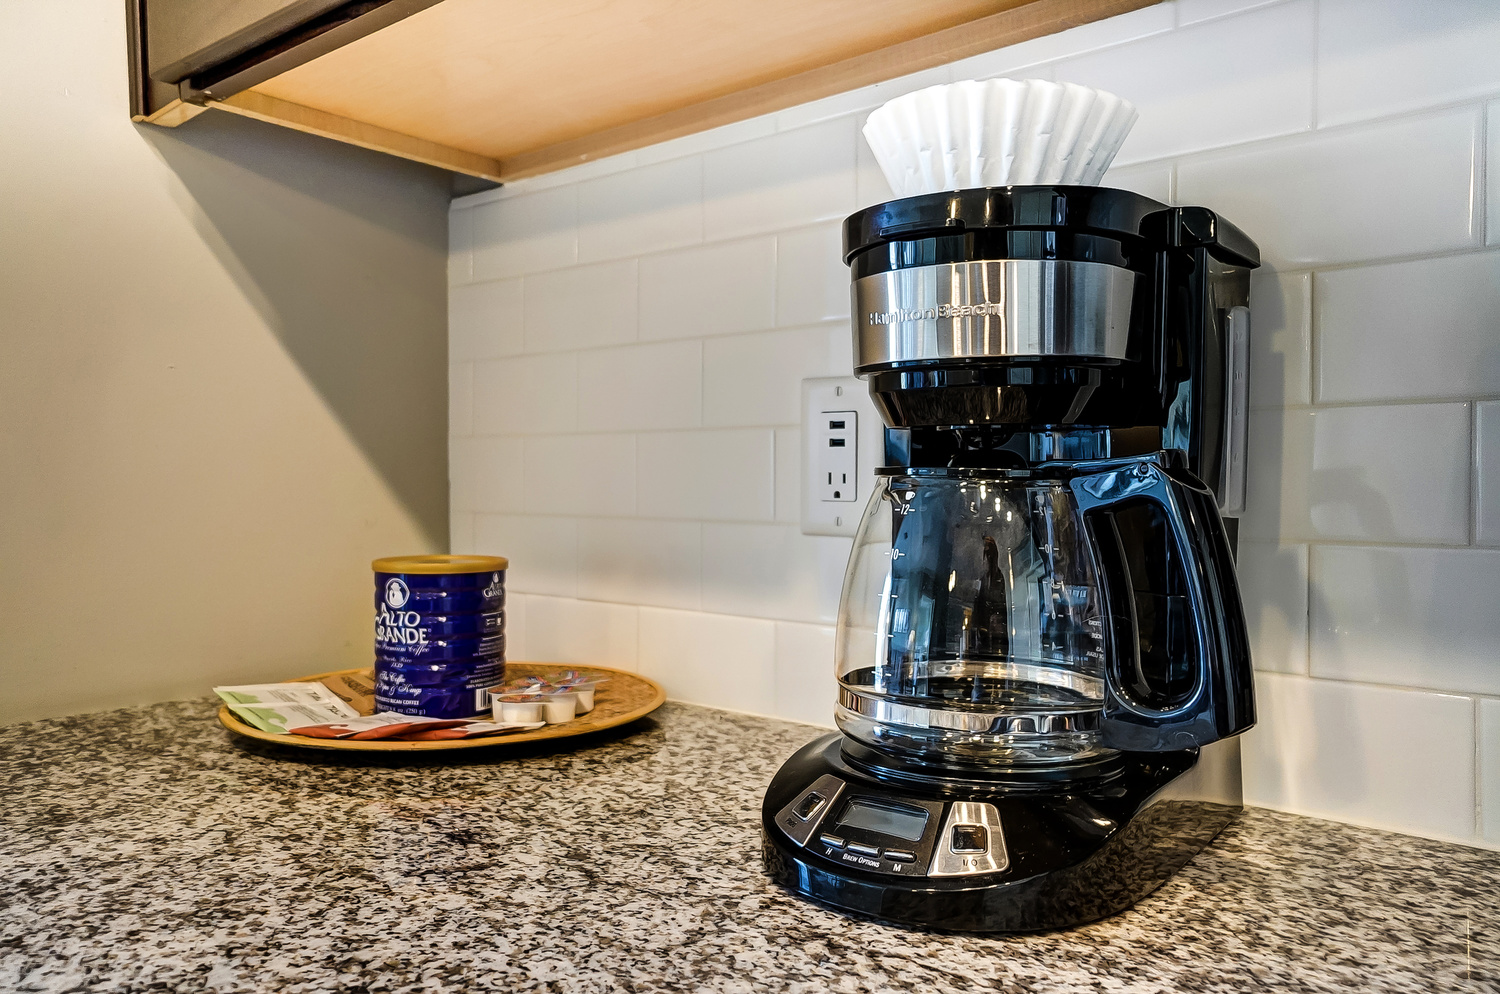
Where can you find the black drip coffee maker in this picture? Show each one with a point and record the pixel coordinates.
(1041, 651)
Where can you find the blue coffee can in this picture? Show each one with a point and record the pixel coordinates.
(439, 634)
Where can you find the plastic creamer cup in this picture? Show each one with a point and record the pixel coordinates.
(558, 708)
(525, 708)
(439, 634)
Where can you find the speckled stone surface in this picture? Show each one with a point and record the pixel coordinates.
(144, 850)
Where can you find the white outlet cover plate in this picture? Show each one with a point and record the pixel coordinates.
(834, 394)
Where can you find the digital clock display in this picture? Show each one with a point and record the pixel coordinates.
(885, 817)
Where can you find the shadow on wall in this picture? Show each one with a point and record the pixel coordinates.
(1293, 742)
(321, 239)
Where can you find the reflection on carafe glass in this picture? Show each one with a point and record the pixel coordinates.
(972, 625)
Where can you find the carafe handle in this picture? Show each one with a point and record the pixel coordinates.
(1215, 656)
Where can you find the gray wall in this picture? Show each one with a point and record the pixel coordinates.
(222, 383)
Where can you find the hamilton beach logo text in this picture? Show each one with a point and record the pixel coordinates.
(901, 316)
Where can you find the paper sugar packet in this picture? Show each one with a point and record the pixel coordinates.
(380, 725)
(277, 707)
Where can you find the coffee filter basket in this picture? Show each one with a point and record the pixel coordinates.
(997, 132)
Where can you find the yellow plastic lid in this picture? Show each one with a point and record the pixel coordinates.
(440, 564)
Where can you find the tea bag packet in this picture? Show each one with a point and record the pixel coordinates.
(277, 707)
(471, 730)
(381, 725)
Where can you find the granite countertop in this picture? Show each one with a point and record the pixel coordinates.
(144, 849)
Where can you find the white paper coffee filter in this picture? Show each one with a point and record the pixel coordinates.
(997, 132)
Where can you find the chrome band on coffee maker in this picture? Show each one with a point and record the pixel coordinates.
(977, 722)
(993, 308)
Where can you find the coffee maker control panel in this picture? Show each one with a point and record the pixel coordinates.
(902, 836)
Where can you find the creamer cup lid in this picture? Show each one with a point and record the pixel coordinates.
(440, 564)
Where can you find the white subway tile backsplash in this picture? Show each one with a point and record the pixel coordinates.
(812, 282)
(711, 659)
(460, 400)
(641, 387)
(627, 340)
(484, 320)
(460, 531)
(569, 177)
(1327, 197)
(789, 179)
(1391, 474)
(806, 689)
(589, 475)
(706, 475)
(515, 625)
(710, 290)
(1278, 475)
(1379, 756)
(526, 395)
(870, 186)
(526, 234)
(1408, 616)
(756, 379)
(1409, 330)
(1273, 587)
(865, 98)
(543, 551)
(1489, 771)
(1280, 338)
(1149, 179)
(564, 630)
(1011, 62)
(646, 209)
(789, 475)
(628, 561)
(1383, 474)
(1252, 78)
(1487, 473)
(772, 571)
(582, 307)
(704, 141)
(1194, 11)
(1387, 56)
(1021, 60)
(484, 474)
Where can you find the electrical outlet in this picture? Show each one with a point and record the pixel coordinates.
(842, 443)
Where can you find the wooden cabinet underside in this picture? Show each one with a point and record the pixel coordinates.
(504, 89)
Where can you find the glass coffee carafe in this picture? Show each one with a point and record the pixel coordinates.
(1025, 620)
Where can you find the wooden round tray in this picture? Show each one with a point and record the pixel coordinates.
(623, 699)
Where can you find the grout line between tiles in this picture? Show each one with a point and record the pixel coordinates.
(1307, 613)
(1481, 180)
(1390, 260)
(1384, 402)
(1403, 687)
(1474, 473)
(1230, 149)
(1310, 317)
